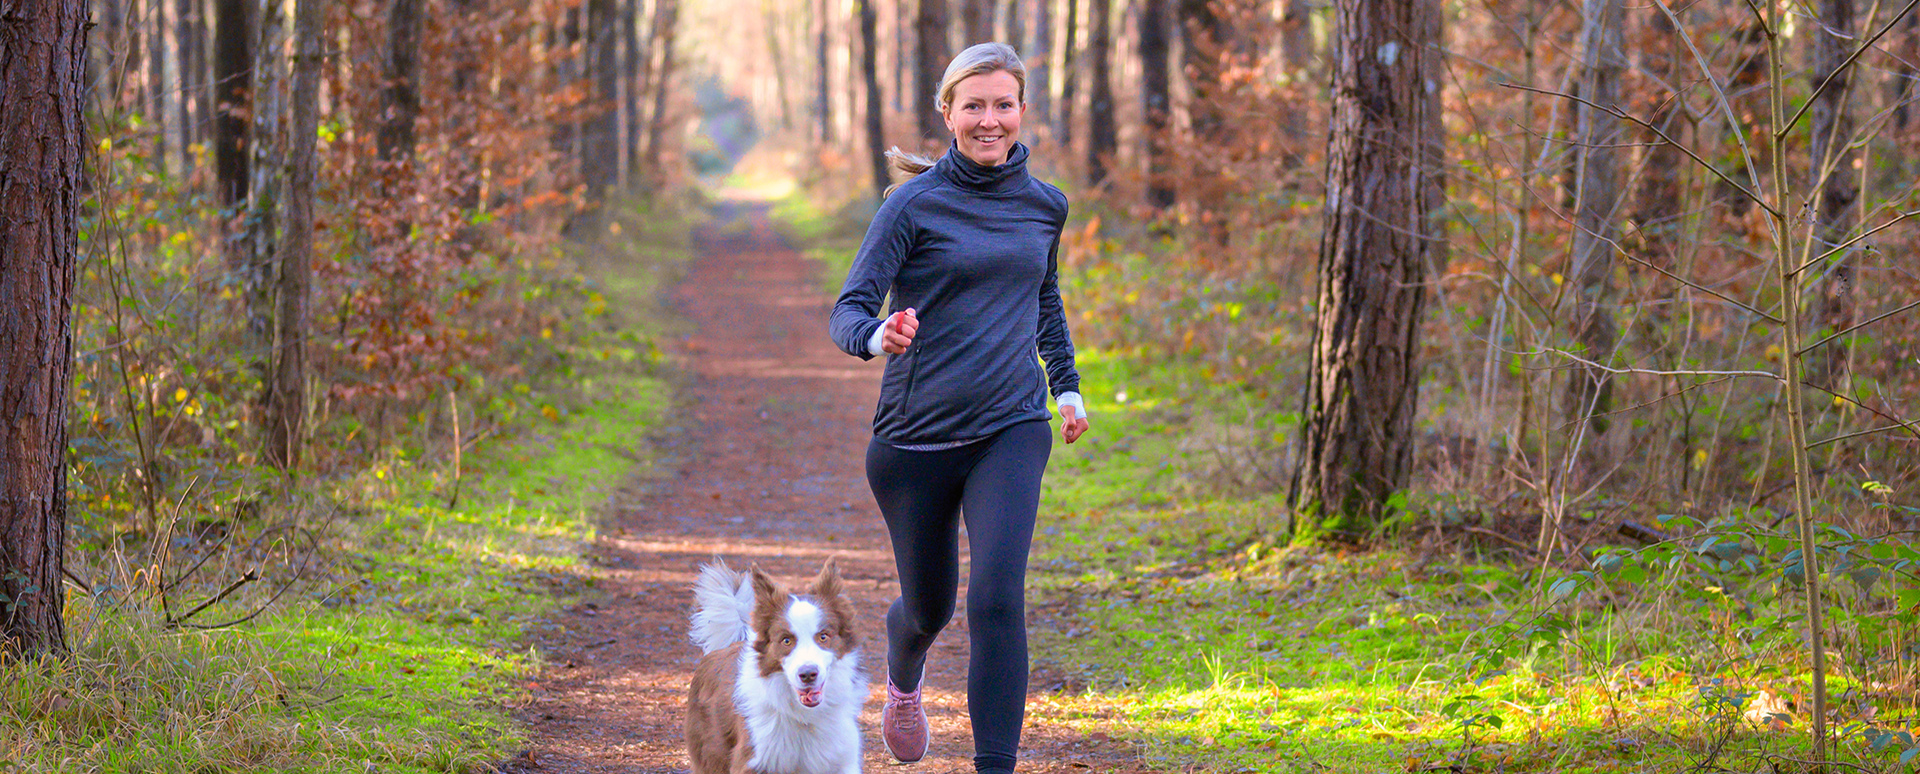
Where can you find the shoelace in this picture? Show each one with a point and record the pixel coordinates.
(906, 710)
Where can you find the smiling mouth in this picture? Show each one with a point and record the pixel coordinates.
(810, 696)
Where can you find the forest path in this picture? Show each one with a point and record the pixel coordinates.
(770, 444)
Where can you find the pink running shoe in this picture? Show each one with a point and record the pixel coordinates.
(903, 725)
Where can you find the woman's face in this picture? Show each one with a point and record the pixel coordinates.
(984, 116)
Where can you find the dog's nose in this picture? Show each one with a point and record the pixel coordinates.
(809, 673)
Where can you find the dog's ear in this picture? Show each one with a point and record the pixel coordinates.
(829, 585)
(768, 599)
(831, 590)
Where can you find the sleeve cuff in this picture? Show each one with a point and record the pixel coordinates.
(1072, 399)
(876, 344)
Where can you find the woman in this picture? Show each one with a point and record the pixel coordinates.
(967, 246)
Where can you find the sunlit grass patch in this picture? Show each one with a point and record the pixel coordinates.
(402, 645)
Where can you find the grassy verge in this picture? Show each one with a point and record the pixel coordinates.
(1224, 646)
(399, 646)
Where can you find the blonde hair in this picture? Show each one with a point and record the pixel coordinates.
(979, 59)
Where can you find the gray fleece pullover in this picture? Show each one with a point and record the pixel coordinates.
(974, 251)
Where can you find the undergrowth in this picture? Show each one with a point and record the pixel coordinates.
(378, 618)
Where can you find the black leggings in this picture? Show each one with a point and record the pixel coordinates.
(995, 484)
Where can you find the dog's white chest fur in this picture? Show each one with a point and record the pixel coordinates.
(789, 737)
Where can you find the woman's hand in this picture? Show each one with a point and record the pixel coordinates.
(900, 327)
(1071, 423)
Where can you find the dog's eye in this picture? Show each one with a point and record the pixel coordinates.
(786, 639)
(824, 638)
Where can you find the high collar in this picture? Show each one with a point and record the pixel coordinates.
(966, 173)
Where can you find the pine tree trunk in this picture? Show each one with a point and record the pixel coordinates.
(1069, 73)
(1102, 136)
(630, 92)
(876, 107)
(400, 100)
(1154, 91)
(42, 137)
(186, 26)
(1040, 63)
(157, 110)
(600, 140)
(822, 91)
(930, 34)
(1207, 44)
(1379, 233)
(286, 404)
(977, 21)
(1656, 205)
(1596, 208)
(1016, 26)
(666, 22)
(1834, 177)
(233, 89)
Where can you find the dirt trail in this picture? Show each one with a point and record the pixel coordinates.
(770, 459)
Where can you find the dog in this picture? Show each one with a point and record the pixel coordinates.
(780, 688)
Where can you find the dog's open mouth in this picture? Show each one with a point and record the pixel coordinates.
(810, 696)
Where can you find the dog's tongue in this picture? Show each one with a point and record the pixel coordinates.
(810, 697)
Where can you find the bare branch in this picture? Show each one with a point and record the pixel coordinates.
(1856, 240)
(251, 576)
(1654, 372)
(1869, 409)
(1624, 116)
(1838, 334)
(1720, 95)
(1782, 130)
(1702, 288)
(1837, 438)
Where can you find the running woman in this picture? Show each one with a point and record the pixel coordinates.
(968, 246)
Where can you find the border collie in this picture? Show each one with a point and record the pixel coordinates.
(780, 688)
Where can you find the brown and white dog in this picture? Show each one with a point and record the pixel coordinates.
(780, 688)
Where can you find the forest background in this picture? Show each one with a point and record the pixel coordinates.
(1503, 384)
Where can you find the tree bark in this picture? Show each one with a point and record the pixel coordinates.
(286, 399)
(930, 32)
(1069, 73)
(1834, 177)
(822, 90)
(600, 139)
(1596, 207)
(1207, 44)
(1102, 136)
(233, 89)
(1379, 234)
(157, 108)
(1656, 205)
(876, 108)
(630, 94)
(1154, 91)
(1040, 63)
(259, 240)
(42, 137)
(977, 21)
(186, 25)
(666, 22)
(400, 100)
(1296, 39)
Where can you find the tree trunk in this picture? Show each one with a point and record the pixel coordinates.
(630, 95)
(666, 21)
(1656, 205)
(876, 108)
(1207, 45)
(1380, 232)
(466, 69)
(902, 59)
(977, 21)
(400, 100)
(600, 140)
(42, 137)
(233, 89)
(1102, 136)
(1016, 25)
(822, 90)
(930, 33)
(186, 18)
(260, 238)
(1039, 63)
(1835, 178)
(286, 403)
(1596, 207)
(1154, 92)
(1069, 73)
(157, 110)
(1296, 39)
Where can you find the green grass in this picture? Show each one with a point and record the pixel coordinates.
(1225, 645)
(409, 641)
